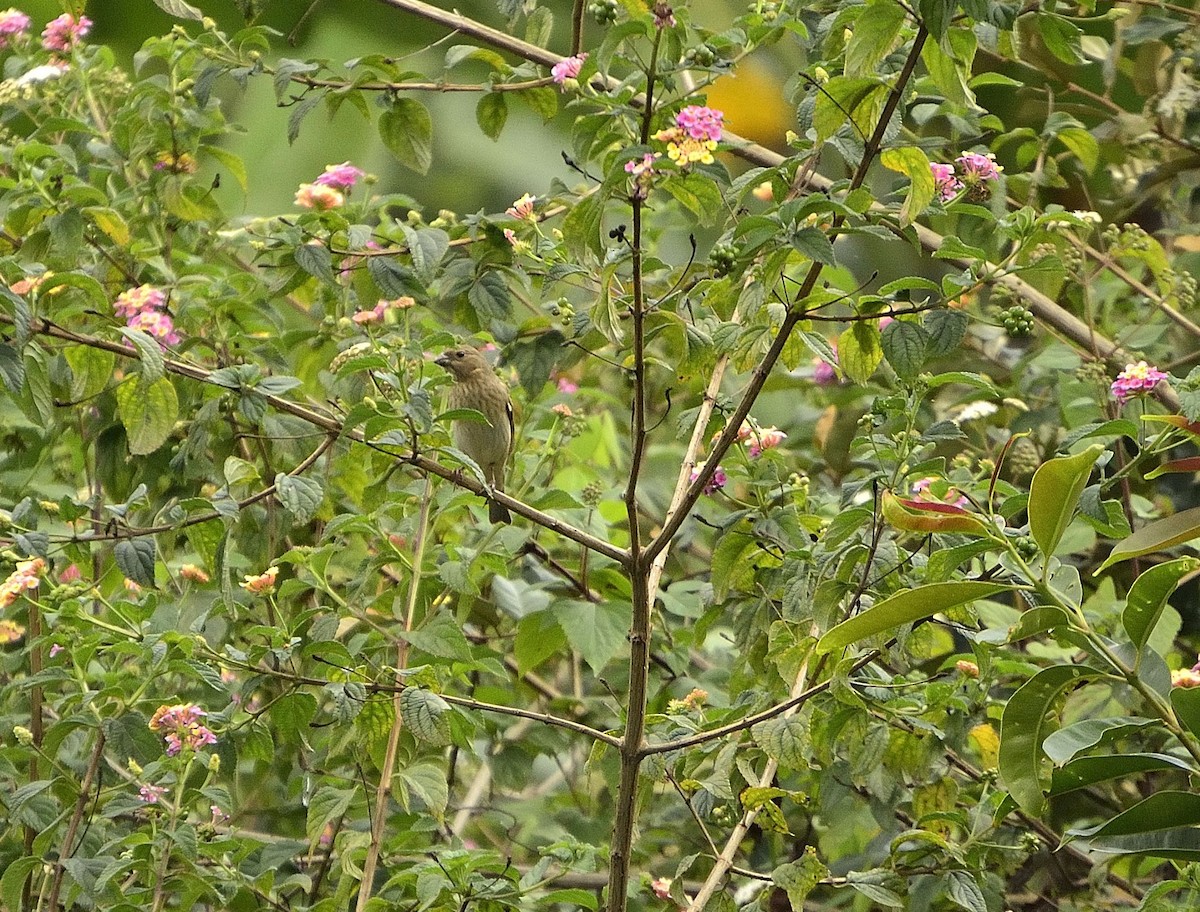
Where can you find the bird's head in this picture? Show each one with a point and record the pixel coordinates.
(462, 361)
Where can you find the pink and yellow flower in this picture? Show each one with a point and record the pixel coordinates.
(65, 32)
(319, 196)
(1136, 380)
(567, 68)
(340, 177)
(181, 727)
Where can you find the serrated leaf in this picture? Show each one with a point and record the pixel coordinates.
(316, 260)
(149, 353)
(91, 370)
(860, 351)
(783, 740)
(179, 9)
(490, 297)
(491, 113)
(407, 130)
(135, 558)
(913, 163)
(426, 715)
(149, 412)
(596, 631)
(300, 494)
(441, 637)
(904, 347)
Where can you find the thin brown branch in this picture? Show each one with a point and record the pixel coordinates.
(312, 82)
(68, 843)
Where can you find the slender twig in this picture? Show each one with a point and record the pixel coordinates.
(423, 86)
(68, 843)
(383, 788)
(639, 569)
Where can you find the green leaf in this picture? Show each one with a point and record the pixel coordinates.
(1064, 744)
(1054, 493)
(596, 631)
(949, 64)
(1161, 811)
(12, 368)
(1156, 536)
(904, 347)
(964, 891)
(407, 130)
(785, 740)
(489, 296)
(876, 31)
(326, 806)
(1186, 703)
(149, 412)
(427, 247)
(135, 558)
(1148, 596)
(300, 494)
(1084, 771)
(179, 9)
(905, 608)
(936, 14)
(539, 636)
(316, 260)
(838, 97)
(428, 782)
(913, 163)
(1027, 718)
(799, 878)
(1062, 37)
(13, 880)
(491, 114)
(149, 353)
(697, 193)
(1082, 144)
(441, 637)
(581, 227)
(426, 715)
(946, 329)
(860, 351)
(91, 370)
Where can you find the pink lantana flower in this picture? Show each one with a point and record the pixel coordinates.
(1136, 380)
(13, 24)
(181, 727)
(522, 208)
(718, 480)
(319, 196)
(945, 183)
(977, 168)
(567, 68)
(65, 32)
(340, 177)
(149, 794)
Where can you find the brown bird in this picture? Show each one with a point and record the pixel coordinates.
(476, 386)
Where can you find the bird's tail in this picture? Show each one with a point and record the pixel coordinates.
(498, 513)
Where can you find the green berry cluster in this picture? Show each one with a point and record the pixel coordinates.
(603, 11)
(721, 258)
(1027, 547)
(592, 493)
(1017, 320)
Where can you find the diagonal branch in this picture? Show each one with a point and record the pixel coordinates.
(332, 425)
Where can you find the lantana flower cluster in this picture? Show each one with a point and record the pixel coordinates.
(65, 32)
(181, 727)
(1136, 380)
(971, 171)
(694, 137)
(377, 313)
(24, 578)
(14, 25)
(567, 68)
(329, 189)
(144, 308)
(262, 584)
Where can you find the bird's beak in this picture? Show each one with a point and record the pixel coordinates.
(442, 361)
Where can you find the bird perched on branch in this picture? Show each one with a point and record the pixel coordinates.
(476, 386)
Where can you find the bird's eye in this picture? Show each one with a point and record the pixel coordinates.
(459, 354)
